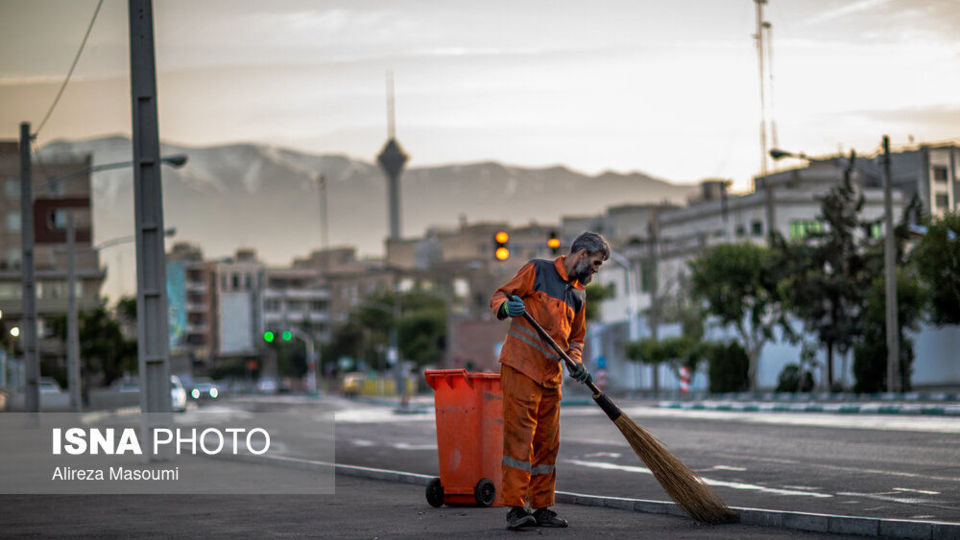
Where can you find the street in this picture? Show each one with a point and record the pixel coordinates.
(797, 462)
(814, 463)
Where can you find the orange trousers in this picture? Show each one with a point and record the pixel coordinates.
(531, 440)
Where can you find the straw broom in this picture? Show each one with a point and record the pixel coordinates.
(683, 485)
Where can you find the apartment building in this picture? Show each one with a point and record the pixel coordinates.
(52, 202)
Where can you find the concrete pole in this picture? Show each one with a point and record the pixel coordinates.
(73, 339)
(894, 384)
(28, 325)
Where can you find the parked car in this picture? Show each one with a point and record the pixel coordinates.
(267, 386)
(178, 396)
(353, 383)
(205, 389)
(49, 385)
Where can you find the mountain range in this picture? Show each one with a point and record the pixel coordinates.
(267, 198)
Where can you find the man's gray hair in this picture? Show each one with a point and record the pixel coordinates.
(593, 243)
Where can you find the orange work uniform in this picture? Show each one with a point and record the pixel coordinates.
(531, 375)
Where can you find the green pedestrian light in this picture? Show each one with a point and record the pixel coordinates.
(268, 336)
(287, 336)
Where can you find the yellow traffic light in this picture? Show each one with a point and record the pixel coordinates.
(502, 254)
(554, 243)
(501, 237)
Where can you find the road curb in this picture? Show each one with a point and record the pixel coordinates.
(779, 519)
(834, 408)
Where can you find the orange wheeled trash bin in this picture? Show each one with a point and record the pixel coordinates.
(469, 408)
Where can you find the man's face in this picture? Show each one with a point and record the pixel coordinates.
(588, 265)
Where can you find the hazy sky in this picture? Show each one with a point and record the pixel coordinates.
(669, 88)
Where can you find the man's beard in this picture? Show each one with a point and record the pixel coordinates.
(581, 272)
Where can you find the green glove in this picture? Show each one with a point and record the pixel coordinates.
(513, 307)
(580, 373)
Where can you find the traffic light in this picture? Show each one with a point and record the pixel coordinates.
(554, 243)
(501, 251)
(270, 336)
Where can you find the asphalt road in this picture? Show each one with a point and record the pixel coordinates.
(889, 467)
(359, 509)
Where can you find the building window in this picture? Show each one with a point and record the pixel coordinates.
(295, 305)
(11, 188)
(318, 305)
(14, 256)
(801, 228)
(13, 221)
(756, 228)
(942, 201)
(940, 174)
(741, 230)
(248, 282)
(235, 280)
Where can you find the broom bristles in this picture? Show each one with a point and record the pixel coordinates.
(683, 485)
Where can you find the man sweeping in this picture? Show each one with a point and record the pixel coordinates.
(552, 292)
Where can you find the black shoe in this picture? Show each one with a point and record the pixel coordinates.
(518, 518)
(548, 518)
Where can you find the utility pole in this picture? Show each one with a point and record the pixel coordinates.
(152, 331)
(653, 231)
(890, 272)
(324, 223)
(73, 335)
(763, 108)
(28, 326)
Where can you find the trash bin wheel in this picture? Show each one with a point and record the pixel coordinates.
(485, 492)
(435, 493)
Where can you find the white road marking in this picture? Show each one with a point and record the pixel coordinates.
(727, 468)
(395, 445)
(378, 415)
(922, 491)
(602, 454)
(712, 482)
(932, 424)
(842, 467)
(885, 497)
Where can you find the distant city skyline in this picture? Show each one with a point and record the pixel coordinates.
(670, 89)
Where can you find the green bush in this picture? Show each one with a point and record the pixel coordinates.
(729, 365)
(790, 381)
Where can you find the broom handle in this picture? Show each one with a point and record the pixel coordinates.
(569, 361)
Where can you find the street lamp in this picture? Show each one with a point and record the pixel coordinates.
(778, 154)
(28, 284)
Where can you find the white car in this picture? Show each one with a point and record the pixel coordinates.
(48, 385)
(178, 396)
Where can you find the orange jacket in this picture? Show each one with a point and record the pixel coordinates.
(558, 304)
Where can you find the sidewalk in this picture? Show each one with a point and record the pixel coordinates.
(361, 508)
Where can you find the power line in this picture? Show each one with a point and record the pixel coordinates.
(70, 72)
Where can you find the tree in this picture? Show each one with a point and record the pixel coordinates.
(738, 285)
(938, 264)
(597, 293)
(827, 273)
(655, 352)
(103, 349)
(870, 356)
(729, 367)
